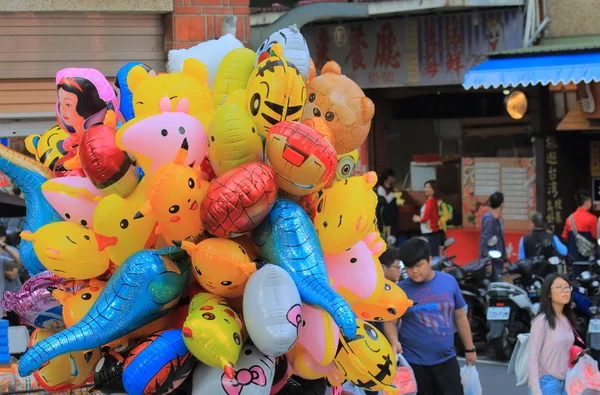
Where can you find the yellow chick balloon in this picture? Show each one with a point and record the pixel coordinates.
(276, 91)
(71, 251)
(175, 192)
(113, 218)
(233, 139)
(368, 361)
(341, 222)
(213, 332)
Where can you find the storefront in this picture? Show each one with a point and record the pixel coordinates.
(427, 126)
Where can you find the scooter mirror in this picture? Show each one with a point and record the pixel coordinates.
(493, 241)
(585, 275)
(495, 254)
(449, 242)
(554, 260)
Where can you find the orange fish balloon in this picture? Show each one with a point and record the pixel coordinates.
(174, 194)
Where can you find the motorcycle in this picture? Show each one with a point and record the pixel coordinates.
(510, 309)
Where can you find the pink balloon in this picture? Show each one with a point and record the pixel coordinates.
(74, 198)
(319, 335)
(35, 304)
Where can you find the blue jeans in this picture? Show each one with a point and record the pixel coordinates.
(552, 386)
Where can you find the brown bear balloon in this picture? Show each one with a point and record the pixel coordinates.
(342, 104)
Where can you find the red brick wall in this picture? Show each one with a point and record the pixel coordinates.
(194, 21)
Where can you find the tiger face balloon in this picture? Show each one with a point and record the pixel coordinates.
(276, 91)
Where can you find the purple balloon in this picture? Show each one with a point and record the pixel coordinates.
(35, 304)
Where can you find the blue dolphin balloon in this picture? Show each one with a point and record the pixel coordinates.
(29, 175)
(288, 238)
(144, 288)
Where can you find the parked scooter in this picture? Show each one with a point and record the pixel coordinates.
(593, 327)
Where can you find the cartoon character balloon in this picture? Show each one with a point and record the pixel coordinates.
(295, 49)
(346, 165)
(344, 106)
(175, 192)
(276, 91)
(213, 332)
(342, 222)
(124, 94)
(303, 159)
(74, 198)
(233, 74)
(48, 147)
(392, 304)
(239, 200)
(272, 310)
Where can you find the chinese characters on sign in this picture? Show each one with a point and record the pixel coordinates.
(554, 204)
(415, 51)
(595, 158)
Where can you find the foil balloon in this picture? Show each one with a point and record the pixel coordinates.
(318, 334)
(35, 304)
(340, 101)
(341, 222)
(70, 251)
(174, 194)
(29, 175)
(253, 375)
(304, 365)
(74, 198)
(295, 49)
(213, 332)
(142, 290)
(124, 94)
(221, 266)
(83, 97)
(108, 167)
(392, 304)
(108, 374)
(47, 147)
(233, 74)
(360, 261)
(288, 239)
(65, 372)
(155, 140)
(272, 310)
(239, 200)
(320, 125)
(276, 91)
(189, 85)
(303, 159)
(346, 165)
(75, 306)
(158, 364)
(368, 361)
(113, 219)
(233, 139)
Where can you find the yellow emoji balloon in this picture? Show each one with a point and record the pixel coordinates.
(368, 361)
(233, 139)
(213, 332)
(392, 304)
(276, 91)
(67, 371)
(113, 218)
(221, 266)
(174, 194)
(70, 251)
(340, 221)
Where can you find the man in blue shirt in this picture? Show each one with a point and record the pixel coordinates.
(426, 334)
(492, 234)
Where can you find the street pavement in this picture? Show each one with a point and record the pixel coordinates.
(494, 378)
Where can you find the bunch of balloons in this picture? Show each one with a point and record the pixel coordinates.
(208, 222)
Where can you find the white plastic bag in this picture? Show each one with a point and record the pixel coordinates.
(470, 380)
(519, 359)
(584, 378)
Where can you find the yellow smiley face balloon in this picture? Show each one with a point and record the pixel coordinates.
(175, 192)
(70, 251)
(276, 91)
(368, 361)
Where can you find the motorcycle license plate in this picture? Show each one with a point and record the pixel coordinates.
(498, 313)
(594, 326)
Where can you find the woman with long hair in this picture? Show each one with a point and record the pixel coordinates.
(386, 206)
(551, 339)
(430, 218)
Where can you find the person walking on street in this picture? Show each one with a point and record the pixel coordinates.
(552, 335)
(430, 218)
(425, 336)
(581, 232)
(540, 242)
(492, 235)
(389, 209)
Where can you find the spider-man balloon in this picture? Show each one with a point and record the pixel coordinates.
(239, 200)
